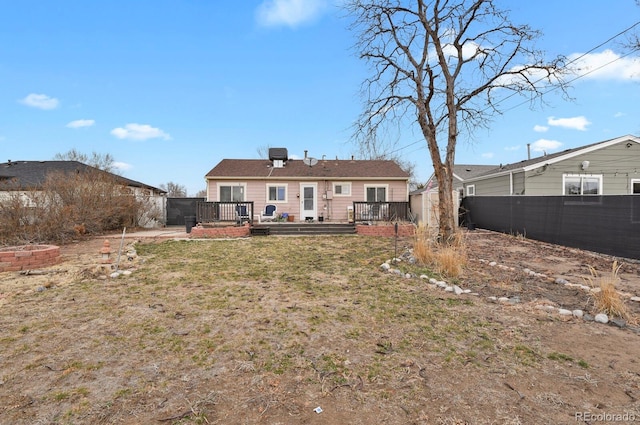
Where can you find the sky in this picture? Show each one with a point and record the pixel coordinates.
(171, 87)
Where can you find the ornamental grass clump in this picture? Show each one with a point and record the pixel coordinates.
(447, 258)
(606, 298)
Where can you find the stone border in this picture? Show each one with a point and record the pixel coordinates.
(579, 314)
(28, 257)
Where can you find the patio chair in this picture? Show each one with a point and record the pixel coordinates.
(269, 213)
(241, 214)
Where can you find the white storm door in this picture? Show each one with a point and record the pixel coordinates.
(308, 203)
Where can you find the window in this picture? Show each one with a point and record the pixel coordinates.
(342, 189)
(232, 193)
(471, 190)
(376, 193)
(635, 187)
(277, 193)
(582, 184)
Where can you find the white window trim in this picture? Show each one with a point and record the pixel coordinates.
(286, 193)
(471, 190)
(225, 184)
(344, 184)
(598, 176)
(386, 190)
(631, 186)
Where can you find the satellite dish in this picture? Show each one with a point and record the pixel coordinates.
(310, 161)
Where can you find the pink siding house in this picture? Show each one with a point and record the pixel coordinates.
(307, 189)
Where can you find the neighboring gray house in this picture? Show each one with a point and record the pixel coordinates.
(610, 167)
(25, 176)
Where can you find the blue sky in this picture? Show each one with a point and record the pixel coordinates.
(169, 88)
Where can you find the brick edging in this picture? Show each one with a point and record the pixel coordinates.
(404, 230)
(28, 257)
(221, 232)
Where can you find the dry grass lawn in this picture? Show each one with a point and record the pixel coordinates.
(267, 329)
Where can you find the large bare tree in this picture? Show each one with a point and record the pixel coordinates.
(443, 67)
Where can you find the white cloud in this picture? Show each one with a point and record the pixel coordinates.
(487, 155)
(81, 123)
(574, 123)
(122, 166)
(40, 101)
(512, 148)
(540, 128)
(291, 13)
(619, 114)
(606, 65)
(544, 145)
(135, 131)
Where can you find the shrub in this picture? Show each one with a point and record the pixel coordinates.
(69, 205)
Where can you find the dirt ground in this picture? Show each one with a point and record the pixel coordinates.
(62, 361)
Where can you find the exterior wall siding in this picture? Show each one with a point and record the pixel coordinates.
(330, 206)
(617, 164)
(495, 186)
(518, 183)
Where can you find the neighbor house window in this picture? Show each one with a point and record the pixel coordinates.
(277, 193)
(376, 193)
(232, 192)
(635, 187)
(582, 184)
(471, 190)
(342, 189)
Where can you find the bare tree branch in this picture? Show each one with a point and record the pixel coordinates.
(442, 66)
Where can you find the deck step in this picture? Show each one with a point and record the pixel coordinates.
(303, 229)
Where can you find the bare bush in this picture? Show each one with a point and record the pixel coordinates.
(69, 205)
(447, 258)
(606, 298)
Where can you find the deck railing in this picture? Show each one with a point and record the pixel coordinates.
(213, 212)
(381, 211)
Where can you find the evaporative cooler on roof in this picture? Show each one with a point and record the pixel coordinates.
(278, 154)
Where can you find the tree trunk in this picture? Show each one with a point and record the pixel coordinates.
(447, 214)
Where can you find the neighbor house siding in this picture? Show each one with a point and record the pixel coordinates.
(494, 186)
(614, 163)
(518, 183)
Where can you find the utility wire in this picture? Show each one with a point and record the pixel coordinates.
(569, 82)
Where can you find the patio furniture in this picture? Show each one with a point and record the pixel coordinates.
(269, 213)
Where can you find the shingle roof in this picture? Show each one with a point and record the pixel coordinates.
(32, 174)
(297, 169)
(461, 172)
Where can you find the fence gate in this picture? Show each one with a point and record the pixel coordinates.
(179, 208)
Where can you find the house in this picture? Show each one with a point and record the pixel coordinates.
(424, 201)
(307, 189)
(25, 176)
(609, 167)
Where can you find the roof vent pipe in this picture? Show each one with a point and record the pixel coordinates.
(528, 150)
(305, 153)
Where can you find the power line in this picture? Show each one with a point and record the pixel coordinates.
(569, 82)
